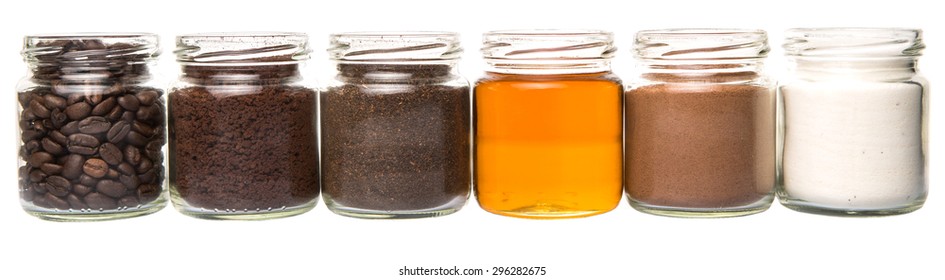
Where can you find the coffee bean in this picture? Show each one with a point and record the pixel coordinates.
(128, 201)
(27, 194)
(58, 137)
(54, 101)
(147, 97)
(128, 116)
(110, 153)
(52, 147)
(32, 134)
(37, 175)
(70, 128)
(75, 202)
(135, 138)
(37, 108)
(114, 89)
(56, 202)
(83, 144)
(129, 102)
(94, 99)
(58, 118)
(145, 165)
(40, 201)
(148, 192)
(80, 189)
(130, 181)
(145, 113)
(111, 188)
(94, 167)
(112, 173)
(78, 111)
(99, 201)
(51, 168)
(58, 185)
(126, 168)
(132, 155)
(104, 107)
(118, 131)
(75, 98)
(87, 180)
(72, 166)
(115, 114)
(38, 158)
(39, 188)
(144, 129)
(93, 125)
(148, 176)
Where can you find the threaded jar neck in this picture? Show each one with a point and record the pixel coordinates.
(860, 53)
(709, 55)
(548, 51)
(90, 57)
(234, 57)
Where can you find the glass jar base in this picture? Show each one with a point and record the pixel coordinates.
(547, 212)
(95, 215)
(686, 212)
(243, 214)
(449, 208)
(819, 209)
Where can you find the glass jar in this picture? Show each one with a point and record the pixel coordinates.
(91, 126)
(243, 127)
(700, 128)
(548, 124)
(395, 126)
(855, 122)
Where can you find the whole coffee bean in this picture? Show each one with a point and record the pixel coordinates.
(32, 134)
(75, 98)
(132, 155)
(99, 201)
(111, 188)
(78, 111)
(130, 181)
(144, 129)
(148, 192)
(75, 202)
(115, 89)
(51, 168)
(56, 202)
(118, 131)
(145, 113)
(32, 146)
(110, 153)
(145, 165)
(70, 128)
(148, 176)
(80, 189)
(128, 201)
(94, 167)
(52, 147)
(54, 101)
(39, 188)
(58, 118)
(83, 144)
(115, 114)
(40, 200)
(112, 173)
(58, 186)
(37, 108)
(128, 116)
(129, 102)
(93, 125)
(37, 175)
(38, 158)
(27, 194)
(147, 97)
(126, 168)
(104, 107)
(135, 138)
(58, 137)
(88, 180)
(72, 166)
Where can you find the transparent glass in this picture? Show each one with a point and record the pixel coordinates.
(548, 124)
(855, 122)
(243, 127)
(91, 127)
(700, 124)
(395, 126)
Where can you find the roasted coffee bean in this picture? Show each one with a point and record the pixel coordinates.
(40, 200)
(54, 101)
(58, 186)
(70, 128)
(23, 172)
(110, 153)
(32, 134)
(118, 131)
(87, 180)
(37, 108)
(75, 202)
(147, 97)
(129, 102)
(32, 146)
(136, 139)
(128, 201)
(58, 118)
(56, 202)
(72, 166)
(111, 188)
(114, 89)
(145, 165)
(94, 99)
(144, 129)
(130, 181)
(75, 98)
(93, 125)
(105, 107)
(80, 189)
(39, 188)
(78, 111)
(27, 194)
(148, 176)
(99, 201)
(37, 175)
(94, 167)
(126, 168)
(148, 192)
(132, 155)
(83, 144)
(52, 147)
(51, 168)
(38, 158)
(128, 116)
(112, 173)
(58, 137)
(115, 114)
(146, 113)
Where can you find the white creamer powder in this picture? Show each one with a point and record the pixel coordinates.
(853, 145)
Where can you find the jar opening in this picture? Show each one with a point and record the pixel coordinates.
(395, 47)
(854, 42)
(701, 44)
(227, 49)
(90, 55)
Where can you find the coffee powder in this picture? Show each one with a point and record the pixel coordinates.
(697, 145)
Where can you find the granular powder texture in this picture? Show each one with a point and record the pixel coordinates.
(244, 147)
(396, 145)
(700, 145)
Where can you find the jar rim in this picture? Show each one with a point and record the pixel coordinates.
(247, 48)
(90, 35)
(395, 47)
(701, 31)
(547, 32)
(398, 34)
(853, 42)
(701, 44)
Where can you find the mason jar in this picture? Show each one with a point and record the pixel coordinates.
(242, 127)
(548, 124)
(700, 124)
(91, 127)
(395, 126)
(855, 121)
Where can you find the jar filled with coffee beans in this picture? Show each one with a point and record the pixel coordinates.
(91, 127)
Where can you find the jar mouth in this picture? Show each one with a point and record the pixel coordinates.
(548, 32)
(242, 48)
(705, 44)
(544, 46)
(395, 47)
(90, 49)
(853, 42)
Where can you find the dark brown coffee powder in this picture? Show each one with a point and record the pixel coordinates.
(697, 145)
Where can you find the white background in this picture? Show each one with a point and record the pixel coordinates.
(622, 244)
